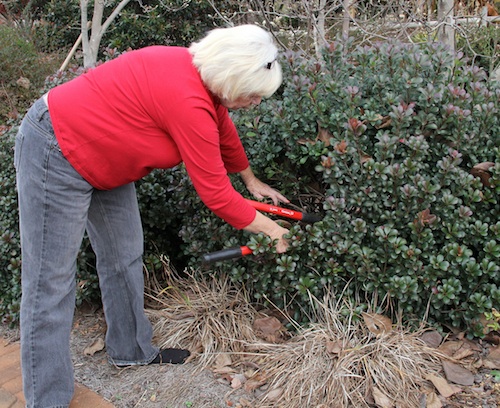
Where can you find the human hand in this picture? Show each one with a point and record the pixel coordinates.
(282, 244)
(264, 224)
(259, 189)
(262, 190)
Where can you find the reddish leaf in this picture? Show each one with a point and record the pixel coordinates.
(341, 147)
(481, 170)
(457, 374)
(324, 135)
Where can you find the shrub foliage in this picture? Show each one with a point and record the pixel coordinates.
(398, 147)
(395, 145)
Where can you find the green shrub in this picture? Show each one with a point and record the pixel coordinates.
(10, 261)
(58, 25)
(482, 46)
(22, 72)
(384, 139)
(174, 22)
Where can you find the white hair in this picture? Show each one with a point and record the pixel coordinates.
(238, 62)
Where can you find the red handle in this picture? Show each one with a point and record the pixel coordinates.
(284, 212)
(238, 252)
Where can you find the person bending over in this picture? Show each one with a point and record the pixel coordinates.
(78, 152)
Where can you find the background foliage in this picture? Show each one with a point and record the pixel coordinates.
(382, 139)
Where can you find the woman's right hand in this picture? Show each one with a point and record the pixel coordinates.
(264, 224)
(282, 244)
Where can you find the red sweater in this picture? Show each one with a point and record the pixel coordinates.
(149, 109)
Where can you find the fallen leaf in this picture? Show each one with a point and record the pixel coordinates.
(433, 401)
(450, 347)
(223, 370)
(386, 122)
(463, 352)
(457, 374)
(492, 360)
(274, 394)
(269, 329)
(377, 324)
(223, 360)
(333, 347)
(23, 82)
(363, 158)
(305, 141)
(492, 337)
(96, 346)
(244, 403)
(238, 381)
(254, 383)
(443, 387)
(381, 399)
(432, 338)
(249, 373)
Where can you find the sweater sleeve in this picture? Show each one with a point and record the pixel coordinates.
(232, 151)
(208, 159)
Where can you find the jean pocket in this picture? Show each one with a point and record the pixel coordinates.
(18, 146)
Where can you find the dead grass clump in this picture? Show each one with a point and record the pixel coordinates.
(337, 362)
(208, 316)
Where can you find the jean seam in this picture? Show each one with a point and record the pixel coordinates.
(36, 303)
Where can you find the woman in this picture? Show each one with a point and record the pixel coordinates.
(78, 152)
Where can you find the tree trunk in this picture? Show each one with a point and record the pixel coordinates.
(446, 31)
(319, 28)
(91, 44)
(346, 20)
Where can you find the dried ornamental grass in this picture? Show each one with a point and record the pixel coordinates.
(335, 362)
(206, 316)
(339, 363)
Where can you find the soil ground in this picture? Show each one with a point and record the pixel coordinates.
(184, 386)
(166, 386)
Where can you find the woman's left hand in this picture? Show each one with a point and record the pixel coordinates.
(259, 189)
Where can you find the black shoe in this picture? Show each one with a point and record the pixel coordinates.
(171, 356)
(165, 356)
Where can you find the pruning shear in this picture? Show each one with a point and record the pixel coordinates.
(238, 252)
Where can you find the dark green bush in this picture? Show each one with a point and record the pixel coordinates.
(58, 25)
(384, 142)
(385, 139)
(174, 22)
(148, 22)
(10, 261)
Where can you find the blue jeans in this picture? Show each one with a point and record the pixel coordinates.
(56, 206)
